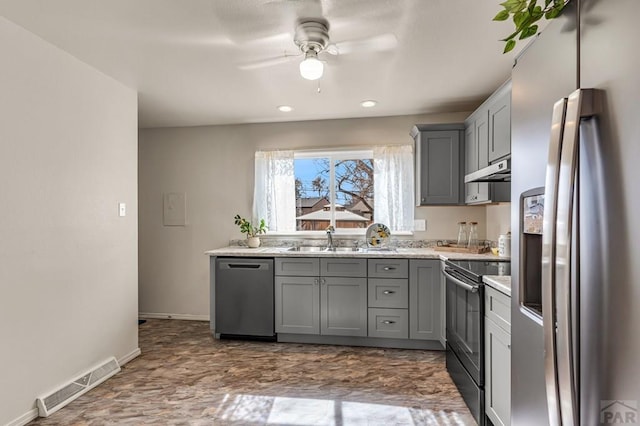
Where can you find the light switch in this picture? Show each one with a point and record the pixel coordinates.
(420, 225)
(122, 209)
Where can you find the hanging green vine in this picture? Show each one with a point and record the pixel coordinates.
(525, 14)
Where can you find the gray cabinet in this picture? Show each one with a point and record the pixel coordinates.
(488, 140)
(343, 306)
(439, 157)
(476, 155)
(331, 302)
(297, 305)
(388, 286)
(497, 357)
(424, 299)
(500, 124)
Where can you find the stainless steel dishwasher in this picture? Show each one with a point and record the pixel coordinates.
(244, 298)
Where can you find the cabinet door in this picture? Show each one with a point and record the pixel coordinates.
(470, 161)
(343, 306)
(497, 374)
(500, 125)
(424, 299)
(297, 305)
(439, 170)
(482, 145)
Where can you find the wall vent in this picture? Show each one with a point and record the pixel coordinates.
(54, 401)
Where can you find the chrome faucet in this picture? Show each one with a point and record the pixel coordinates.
(330, 231)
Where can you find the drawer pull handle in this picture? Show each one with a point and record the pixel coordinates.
(388, 292)
(389, 268)
(387, 322)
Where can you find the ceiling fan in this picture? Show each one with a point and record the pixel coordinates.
(312, 38)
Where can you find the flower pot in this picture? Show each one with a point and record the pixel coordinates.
(253, 242)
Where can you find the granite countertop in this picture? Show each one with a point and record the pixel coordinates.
(502, 283)
(413, 253)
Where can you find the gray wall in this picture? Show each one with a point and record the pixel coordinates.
(68, 270)
(214, 167)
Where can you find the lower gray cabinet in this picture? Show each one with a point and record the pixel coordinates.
(343, 306)
(321, 304)
(497, 347)
(297, 305)
(424, 299)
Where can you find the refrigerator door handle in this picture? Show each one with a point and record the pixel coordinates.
(548, 261)
(581, 104)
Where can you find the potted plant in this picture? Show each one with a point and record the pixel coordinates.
(246, 227)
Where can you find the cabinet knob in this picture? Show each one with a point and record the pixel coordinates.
(388, 292)
(315, 282)
(387, 322)
(323, 281)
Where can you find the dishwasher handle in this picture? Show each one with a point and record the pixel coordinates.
(254, 265)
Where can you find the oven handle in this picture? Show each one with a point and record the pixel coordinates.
(456, 281)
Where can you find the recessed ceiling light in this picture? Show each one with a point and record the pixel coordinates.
(368, 103)
(285, 108)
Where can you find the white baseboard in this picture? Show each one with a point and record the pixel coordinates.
(25, 418)
(128, 357)
(153, 315)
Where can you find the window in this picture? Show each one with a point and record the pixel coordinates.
(310, 190)
(334, 188)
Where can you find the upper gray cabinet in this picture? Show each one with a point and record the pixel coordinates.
(500, 123)
(488, 140)
(439, 155)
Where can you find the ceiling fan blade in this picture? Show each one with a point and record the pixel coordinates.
(378, 43)
(265, 63)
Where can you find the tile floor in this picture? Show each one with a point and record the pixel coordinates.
(185, 377)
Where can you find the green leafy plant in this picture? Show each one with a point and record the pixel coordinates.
(247, 227)
(525, 14)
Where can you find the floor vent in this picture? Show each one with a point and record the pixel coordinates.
(51, 403)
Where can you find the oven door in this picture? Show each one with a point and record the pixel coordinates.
(465, 322)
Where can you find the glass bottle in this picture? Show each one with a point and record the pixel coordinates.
(473, 235)
(462, 234)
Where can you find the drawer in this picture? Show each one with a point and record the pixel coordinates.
(390, 323)
(343, 267)
(297, 266)
(388, 268)
(388, 293)
(497, 307)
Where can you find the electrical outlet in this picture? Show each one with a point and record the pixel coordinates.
(122, 209)
(420, 225)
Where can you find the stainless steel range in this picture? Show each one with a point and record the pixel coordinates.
(465, 327)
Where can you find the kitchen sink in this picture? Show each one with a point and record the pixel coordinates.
(323, 249)
(306, 248)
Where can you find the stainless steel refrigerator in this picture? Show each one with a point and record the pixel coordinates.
(575, 351)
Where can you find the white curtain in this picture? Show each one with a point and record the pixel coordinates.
(393, 186)
(274, 190)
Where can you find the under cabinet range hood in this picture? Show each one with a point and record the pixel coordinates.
(496, 172)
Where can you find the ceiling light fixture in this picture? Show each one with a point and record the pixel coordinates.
(368, 103)
(311, 68)
(285, 108)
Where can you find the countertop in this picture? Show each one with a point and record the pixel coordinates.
(413, 253)
(502, 283)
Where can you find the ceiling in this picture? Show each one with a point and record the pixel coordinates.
(186, 58)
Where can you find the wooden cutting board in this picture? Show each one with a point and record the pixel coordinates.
(461, 249)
